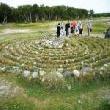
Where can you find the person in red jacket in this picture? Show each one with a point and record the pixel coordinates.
(73, 25)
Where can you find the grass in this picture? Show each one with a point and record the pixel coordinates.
(82, 96)
(99, 27)
(104, 105)
(86, 93)
(16, 103)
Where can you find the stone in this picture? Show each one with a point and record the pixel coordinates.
(86, 70)
(79, 101)
(105, 65)
(22, 65)
(42, 73)
(60, 70)
(35, 74)
(59, 74)
(34, 63)
(3, 68)
(68, 74)
(102, 68)
(76, 73)
(69, 87)
(26, 73)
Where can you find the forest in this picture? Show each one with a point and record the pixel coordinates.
(33, 13)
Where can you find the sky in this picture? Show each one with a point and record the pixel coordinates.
(99, 6)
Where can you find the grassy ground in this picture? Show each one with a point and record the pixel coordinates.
(83, 96)
(86, 93)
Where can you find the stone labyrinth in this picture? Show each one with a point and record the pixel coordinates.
(63, 57)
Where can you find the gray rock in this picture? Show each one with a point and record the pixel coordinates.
(60, 70)
(76, 73)
(68, 74)
(35, 75)
(26, 73)
(86, 70)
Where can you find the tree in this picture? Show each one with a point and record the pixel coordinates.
(5, 13)
(25, 12)
(91, 13)
(33, 13)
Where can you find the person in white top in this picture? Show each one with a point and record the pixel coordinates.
(76, 30)
(80, 27)
(89, 27)
(62, 29)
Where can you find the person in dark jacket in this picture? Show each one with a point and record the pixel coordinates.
(67, 26)
(107, 33)
(58, 30)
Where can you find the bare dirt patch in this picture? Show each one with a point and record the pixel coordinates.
(7, 89)
(11, 31)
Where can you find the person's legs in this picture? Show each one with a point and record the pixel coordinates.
(81, 31)
(88, 31)
(58, 33)
(66, 32)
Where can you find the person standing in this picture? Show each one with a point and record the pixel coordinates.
(80, 27)
(67, 26)
(73, 25)
(58, 30)
(89, 27)
(76, 30)
(62, 29)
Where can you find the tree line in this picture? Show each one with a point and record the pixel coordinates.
(101, 15)
(33, 13)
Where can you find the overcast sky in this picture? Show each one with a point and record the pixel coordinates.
(97, 5)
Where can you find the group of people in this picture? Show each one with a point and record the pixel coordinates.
(73, 27)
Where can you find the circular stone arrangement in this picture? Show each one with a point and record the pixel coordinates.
(63, 56)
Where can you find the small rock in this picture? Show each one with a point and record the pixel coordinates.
(36, 52)
(34, 63)
(101, 72)
(42, 79)
(105, 65)
(69, 87)
(3, 68)
(102, 68)
(42, 73)
(79, 101)
(22, 65)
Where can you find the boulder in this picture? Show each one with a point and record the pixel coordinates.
(42, 73)
(26, 73)
(59, 74)
(86, 70)
(35, 75)
(76, 73)
(68, 74)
